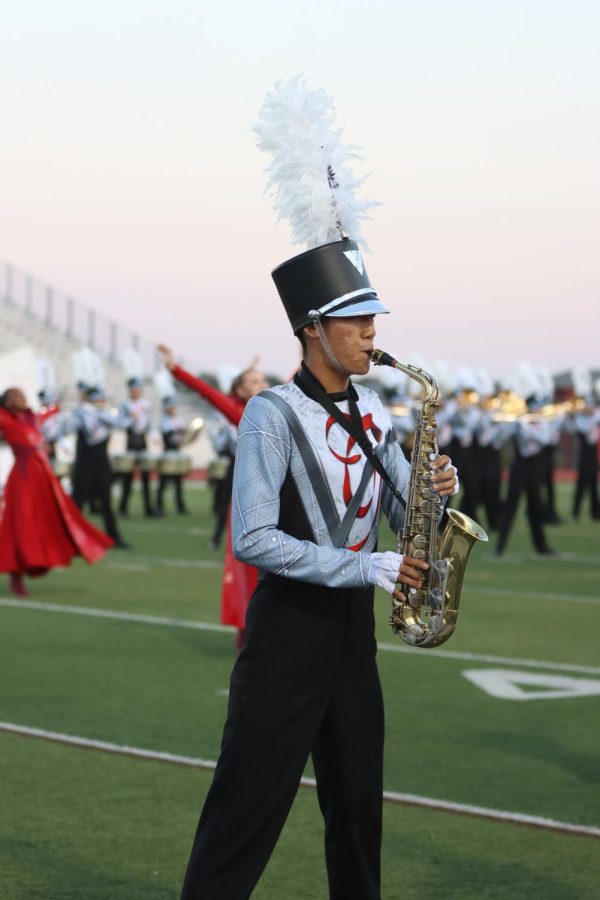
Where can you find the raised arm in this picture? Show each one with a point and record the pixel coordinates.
(232, 409)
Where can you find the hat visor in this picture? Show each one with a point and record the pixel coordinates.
(369, 306)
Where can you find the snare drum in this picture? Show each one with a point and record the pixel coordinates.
(218, 469)
(123, 464)
(175, 465)
(147, 463)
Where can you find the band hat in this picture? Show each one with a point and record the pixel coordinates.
(365, 307)
(330, 280)
(96, 393)
(314, 188)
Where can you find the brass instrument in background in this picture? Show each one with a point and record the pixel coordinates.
(507, 406)
(427, 618)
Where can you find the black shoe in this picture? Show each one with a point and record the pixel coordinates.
(120, 544)
(547, 551)
(151, 513)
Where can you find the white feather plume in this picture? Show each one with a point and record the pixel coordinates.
(132, 364)
(164, 383)
(87, 368)
(582, 381)
(45, 376)
(546, 382)
(312, 184)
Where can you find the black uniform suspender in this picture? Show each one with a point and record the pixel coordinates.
(338, 531)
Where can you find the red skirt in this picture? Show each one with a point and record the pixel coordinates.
(239, 583)
(40, 526)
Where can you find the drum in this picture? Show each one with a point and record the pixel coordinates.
(147, 463)
(218, 469)
(175, 465)
(123, 464)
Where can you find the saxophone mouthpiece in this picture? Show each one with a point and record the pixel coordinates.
(380, 358)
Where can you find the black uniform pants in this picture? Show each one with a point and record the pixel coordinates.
(177, 482)
(549, 512)
(587, 478)
(489, 476)
(525, 477)
(465, 461)
(126, 481)
(305, 682)
(92, 479)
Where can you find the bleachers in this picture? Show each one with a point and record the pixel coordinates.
(19, 328)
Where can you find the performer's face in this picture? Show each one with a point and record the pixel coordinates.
(351, 339)
(16, 400)
(253, 383)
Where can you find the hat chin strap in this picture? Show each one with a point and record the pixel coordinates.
(315, 318)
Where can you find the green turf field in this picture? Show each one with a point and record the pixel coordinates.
(82, 824)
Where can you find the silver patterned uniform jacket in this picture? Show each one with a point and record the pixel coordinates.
(267, 453)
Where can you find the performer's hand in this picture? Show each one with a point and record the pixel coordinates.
(386, 569)
(166, 355)
(255, 362)
(444, 480)
(410, 573)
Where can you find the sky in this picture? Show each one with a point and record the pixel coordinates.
(129, 176)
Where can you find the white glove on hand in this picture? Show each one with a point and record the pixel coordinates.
(384, 569)
(457, 485)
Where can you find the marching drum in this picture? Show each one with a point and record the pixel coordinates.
(123, 463)
(174, 464)
(218, 468)
(147, 463)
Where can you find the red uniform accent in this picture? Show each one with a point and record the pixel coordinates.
(350, 460)
(239, 580)
(231, 407)
(40, 526)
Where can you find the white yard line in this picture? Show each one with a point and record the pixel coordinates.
(384, 647)
(482, 812)
(534, 595)
(115, 614)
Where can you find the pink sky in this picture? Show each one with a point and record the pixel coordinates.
(130, 179)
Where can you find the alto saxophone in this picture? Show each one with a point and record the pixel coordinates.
(428, 616)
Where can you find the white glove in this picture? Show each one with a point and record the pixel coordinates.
(384, 570)
(457, 485)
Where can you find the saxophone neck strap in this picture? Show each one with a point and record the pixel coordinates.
(309, 385)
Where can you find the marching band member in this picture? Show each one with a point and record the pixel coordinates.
(586, 426)
(531, 435)
(93, 424)
(172, 430)
(223, 437)
(490, 436)
(40, 526)
(306, 507)
(135, 418)
(239, 580)
(463, 416)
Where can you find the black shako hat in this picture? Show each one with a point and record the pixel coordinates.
(330, 280)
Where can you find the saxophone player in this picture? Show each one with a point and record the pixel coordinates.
(309, 488)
